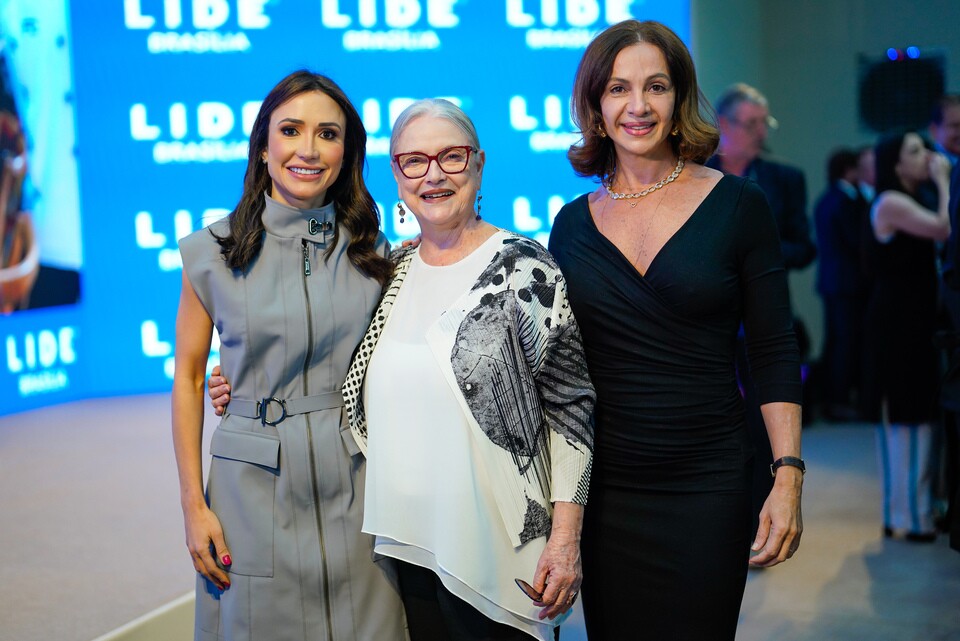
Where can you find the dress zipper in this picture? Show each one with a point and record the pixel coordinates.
(324, 574)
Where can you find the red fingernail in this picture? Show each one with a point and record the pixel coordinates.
(226, 559)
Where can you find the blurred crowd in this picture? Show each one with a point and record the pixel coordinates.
(884, 240)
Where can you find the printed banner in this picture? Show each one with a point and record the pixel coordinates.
(124, 127)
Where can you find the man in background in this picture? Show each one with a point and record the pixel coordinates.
(944, 128)
(840, 215)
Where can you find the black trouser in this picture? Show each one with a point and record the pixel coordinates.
(841, 355)
(434, 614)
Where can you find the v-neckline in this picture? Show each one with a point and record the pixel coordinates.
(645, 274)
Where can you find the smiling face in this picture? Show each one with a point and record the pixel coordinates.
(438, 200)
(305, 147)
(637, 104)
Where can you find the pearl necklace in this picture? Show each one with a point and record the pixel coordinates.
(652, 188)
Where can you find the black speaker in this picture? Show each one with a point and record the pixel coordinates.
(899, 94)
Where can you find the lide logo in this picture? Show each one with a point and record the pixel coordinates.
(148, 238)
(536, 222)
(38, 359)
(564, 24)
(208, 132)
(196, 26)
(389, 25)
(547, 119)
(153, 346)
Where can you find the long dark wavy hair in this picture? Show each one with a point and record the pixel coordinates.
(697, 137)
(886, 156)
(355, 207)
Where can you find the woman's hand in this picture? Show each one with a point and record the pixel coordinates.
(219, 391)
(559, 572)
(781, 523)
(940, 168)
(411, 242)
(203, 529)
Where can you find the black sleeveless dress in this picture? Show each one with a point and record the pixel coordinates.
(901, 363)
(667, 530)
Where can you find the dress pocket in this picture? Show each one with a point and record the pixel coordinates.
(243, 476)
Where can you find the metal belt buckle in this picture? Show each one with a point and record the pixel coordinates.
(262, 410)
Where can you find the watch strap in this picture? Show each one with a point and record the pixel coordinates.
(790, 461)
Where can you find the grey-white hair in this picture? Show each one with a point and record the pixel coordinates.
(437, 108)
(735, 94)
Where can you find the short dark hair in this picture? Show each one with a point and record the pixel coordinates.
(738, 93)
(941, 106)
(697, 138)
(841, 161)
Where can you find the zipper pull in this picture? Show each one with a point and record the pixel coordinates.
(306, 259)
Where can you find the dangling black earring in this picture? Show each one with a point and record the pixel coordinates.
(479, 198)
(401, 210)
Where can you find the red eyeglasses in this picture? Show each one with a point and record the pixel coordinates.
(452, 160)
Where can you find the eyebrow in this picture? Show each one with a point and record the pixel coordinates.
(297, 121)
(649, 78)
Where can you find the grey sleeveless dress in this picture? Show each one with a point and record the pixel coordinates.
(287, 478)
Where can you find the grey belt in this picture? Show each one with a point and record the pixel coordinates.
(288, 406)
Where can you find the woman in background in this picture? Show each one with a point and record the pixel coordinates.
(902, 374)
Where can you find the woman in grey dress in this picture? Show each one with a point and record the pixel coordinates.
(290, 280)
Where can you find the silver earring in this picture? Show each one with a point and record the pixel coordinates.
(479, 198)
(401, 211)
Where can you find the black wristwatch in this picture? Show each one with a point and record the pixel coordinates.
(792, 461)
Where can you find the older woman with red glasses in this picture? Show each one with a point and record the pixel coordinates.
(470, 397)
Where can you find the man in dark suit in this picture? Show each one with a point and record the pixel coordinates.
(744, 120)
(944, 127)
(839, 217)
(950, 392)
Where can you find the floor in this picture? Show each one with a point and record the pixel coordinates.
(91, 537)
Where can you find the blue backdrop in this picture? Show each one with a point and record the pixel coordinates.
(137, 113)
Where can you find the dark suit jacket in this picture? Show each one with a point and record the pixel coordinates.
(951, 274)
(839, 219)
(786, 191)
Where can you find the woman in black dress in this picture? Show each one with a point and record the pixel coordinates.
(902, 369)
(663, 262)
